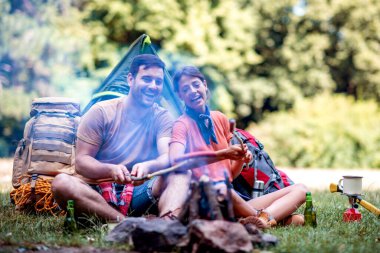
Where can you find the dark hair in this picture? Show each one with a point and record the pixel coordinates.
(186, 71)
(148, 60)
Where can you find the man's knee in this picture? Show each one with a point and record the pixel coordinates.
(180, 180)
(172, 182)
(62, 184)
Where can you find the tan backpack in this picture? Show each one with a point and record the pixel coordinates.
(48, 145)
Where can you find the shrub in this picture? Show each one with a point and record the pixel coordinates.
(328, 131)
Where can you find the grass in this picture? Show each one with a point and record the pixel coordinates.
(21, 231)
(332, 234)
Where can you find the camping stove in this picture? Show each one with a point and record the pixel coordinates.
(352, 214)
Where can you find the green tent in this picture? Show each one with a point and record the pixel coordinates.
(115, 85)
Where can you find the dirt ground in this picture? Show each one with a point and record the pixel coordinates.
(315, 179)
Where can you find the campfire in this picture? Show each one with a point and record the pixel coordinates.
(206, 224)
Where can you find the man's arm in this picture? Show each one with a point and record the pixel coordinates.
(87, 166)
(161, 162)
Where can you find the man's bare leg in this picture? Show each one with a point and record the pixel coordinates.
(87, 201)
(174, 190)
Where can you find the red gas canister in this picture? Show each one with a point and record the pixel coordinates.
(352, 214)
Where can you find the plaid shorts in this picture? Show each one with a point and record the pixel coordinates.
(128, 199)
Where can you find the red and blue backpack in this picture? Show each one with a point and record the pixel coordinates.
(261, 164)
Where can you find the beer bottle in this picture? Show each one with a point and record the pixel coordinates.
(70, 225)
(310, 213)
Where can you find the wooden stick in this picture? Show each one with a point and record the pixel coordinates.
(187, 161)
(161, 172)
(232, 130)
(197, 155)
(150, 175)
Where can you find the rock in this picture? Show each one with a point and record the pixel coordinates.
(219, 236)
(149, 235)
(268, 240)
(122, 232)
(259, 238)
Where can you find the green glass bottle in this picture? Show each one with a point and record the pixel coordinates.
(70, 224)
(310, 213)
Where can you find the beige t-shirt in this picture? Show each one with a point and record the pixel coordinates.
(122, 140)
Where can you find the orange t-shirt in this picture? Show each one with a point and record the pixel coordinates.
(186, 132)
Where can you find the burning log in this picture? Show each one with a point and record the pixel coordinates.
(209, 203)
(190, 210)
(201, 235)
(193, 203)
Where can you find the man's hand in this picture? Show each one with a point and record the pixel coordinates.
(140, 170)
(120, 174)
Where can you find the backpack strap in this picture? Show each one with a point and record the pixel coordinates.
(51, 158)
(33, 188)
(66, 137)
(53, 146)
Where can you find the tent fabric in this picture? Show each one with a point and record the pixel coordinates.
(115, 85)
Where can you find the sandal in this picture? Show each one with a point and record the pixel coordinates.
(266, 217)
(262, 220)
(254, 220)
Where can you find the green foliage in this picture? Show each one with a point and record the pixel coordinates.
(42, 45)
(19, 232)
(15, 103)
(264, 53)
(259, 56)
(44, 51)
(326, 132)
(14, 109)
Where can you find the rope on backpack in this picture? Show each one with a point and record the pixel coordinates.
(23, 197)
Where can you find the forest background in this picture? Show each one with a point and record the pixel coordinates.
(303, 76)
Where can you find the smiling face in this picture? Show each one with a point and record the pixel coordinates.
(193, 91)
(146, 86)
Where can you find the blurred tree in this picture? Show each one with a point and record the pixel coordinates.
(314, 135)
(355, 47)
(258, 55)
(215, 35)
(44, 51)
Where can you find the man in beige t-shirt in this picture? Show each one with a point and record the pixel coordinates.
(122, 137)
